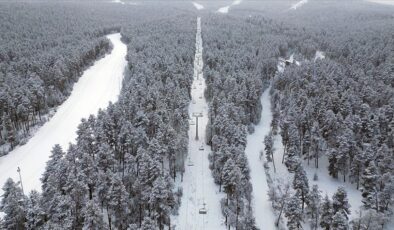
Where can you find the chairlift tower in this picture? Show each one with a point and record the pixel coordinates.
(20, 179)
(197, 115)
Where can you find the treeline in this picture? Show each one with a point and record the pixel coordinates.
(239, 60)
(44, 48)
(120, 173)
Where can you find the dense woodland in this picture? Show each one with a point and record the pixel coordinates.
(125, 159)
(238, 67)
(120, 173)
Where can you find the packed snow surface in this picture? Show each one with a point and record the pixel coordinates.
(118, 1)
(98, 85)
(225, 9)
(386, 2)
(198, 6)
(298, 4)
(263, 214)
(198, 185)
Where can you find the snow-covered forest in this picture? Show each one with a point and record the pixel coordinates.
(220, 115)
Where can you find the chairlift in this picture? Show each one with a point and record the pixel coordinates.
(194, 102)
(201, 148)
(190, 163)
(192, 122)
(203, 210)
(200, 97)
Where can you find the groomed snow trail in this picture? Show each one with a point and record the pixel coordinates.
(225, 9)
(98, 85)
(198, 184)
(385, 2)
(298, 4)
(261, 205)
(198, 6)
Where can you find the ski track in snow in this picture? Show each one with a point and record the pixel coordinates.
(263, 212)
(198, 6)
(225, 9)
(298, 4)
(98, 85)
(198, 185)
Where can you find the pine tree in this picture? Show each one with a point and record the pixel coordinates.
(269, 149)
(340, 221)
(326, 213)
(294, 213)
(161, 200)
(340, 201)
(118, 204)
(93, 217)
(13, 206)
(34, 212)
(300, 184)
(314, 206)
(369, 186)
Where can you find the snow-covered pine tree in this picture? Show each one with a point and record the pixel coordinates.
(13, 205)
(340, 221)
(34, 211)
(301, 185)
(314, 206)
(293, 213)
(326, 213)
(93, 217)
(269, 149)
(340, 201)
(369, 185)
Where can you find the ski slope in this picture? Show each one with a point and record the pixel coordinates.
(263, 214)
(98, 85)
(198, 6)
(384, 2)
(298, 4)
(225, 9)
(198, 185)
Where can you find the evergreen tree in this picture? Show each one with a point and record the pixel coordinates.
(314, 206)
(34, 212)
(300, 184)
(340, 201)
(294, 213)
(93, 217)
(369, 186)
(340, 221)
(13, 205)
(326, 213)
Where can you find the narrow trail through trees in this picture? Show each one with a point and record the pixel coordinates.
(260, 202)
(97, 86)
(200, 194)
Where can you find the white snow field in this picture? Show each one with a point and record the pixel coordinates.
(118, 1)
(99, 84)
(263, 212)
(198, 6)
(225, 9)
(298, 4)
(198, 185)
(385, 2)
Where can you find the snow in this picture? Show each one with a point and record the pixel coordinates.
(198, 6)
(385, 2)
(319, 55)
(98, 85)
(225, 9)
(198, 184)
(118, 1)
(298, 4)
(263, 212)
